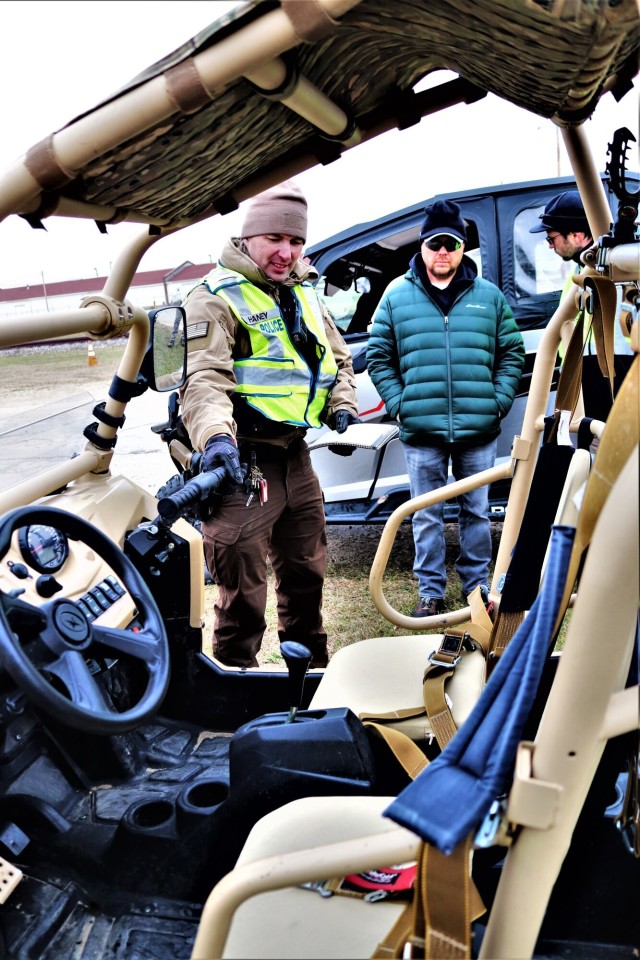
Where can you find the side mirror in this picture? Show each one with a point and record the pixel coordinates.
(165, 363)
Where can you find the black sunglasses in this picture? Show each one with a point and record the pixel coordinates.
(449, 243)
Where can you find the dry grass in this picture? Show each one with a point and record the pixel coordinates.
(348, 611)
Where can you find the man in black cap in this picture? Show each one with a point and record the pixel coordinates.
(568, 232)
(566, 225)
(446, 356)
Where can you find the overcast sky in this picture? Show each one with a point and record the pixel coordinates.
(61, 58)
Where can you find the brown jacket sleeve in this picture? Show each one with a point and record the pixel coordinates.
(206, 396)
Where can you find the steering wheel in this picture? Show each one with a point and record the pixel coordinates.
(45, 648)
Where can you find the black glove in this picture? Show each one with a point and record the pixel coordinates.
(343, 419)
(221, 451)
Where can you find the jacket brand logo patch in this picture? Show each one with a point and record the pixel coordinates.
(475, 306)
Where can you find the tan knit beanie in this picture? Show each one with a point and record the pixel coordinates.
(282, 209)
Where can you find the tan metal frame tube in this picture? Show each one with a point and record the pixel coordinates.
(48, 326)
(139, 109)
(387, 539)
(592, 669)
(94, 459)
(305, 100)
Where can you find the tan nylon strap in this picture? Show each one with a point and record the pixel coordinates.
(406, 752)
(603, 292)
(570, 380)
(408, 713)
(448, 901)
(309, 20)
(443, 726)
(505, 627)
(481, 622)
(442, 666)
(442, 903)
(429, 927)
(185, 87)
(393, 944)
(440, 717)
(435, 703)
(603, 315)
(480, 634)
(42, 164)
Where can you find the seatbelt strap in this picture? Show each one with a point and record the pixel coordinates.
(407, 753)
(475, 631)
(437, 925)
(603, 292)
(600, 295)
(443, 662)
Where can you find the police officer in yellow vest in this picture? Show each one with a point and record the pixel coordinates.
(568, 232)
(265, 363)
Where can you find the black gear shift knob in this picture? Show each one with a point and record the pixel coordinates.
(297, 658)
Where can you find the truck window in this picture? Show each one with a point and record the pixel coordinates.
(341, 304)
(537, 268)
(351, 286)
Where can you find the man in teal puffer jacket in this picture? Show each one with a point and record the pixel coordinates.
(446, 356)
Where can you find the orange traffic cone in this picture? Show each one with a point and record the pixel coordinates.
(91, 356)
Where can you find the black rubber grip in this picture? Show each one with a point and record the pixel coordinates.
(199, 488)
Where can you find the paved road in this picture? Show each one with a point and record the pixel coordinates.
(35, 438)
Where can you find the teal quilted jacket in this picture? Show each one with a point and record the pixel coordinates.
(447, 379)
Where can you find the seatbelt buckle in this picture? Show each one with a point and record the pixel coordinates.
(449, 652)
(490, 826)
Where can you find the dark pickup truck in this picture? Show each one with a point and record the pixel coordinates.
(356, 265)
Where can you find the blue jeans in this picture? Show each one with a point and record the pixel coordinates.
(427, 468)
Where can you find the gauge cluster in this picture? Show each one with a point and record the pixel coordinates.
(42, 547)
(42, 564)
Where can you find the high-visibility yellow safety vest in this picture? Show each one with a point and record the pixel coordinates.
(275, 379)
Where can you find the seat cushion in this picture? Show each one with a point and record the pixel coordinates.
(383, 675)
(299, 923)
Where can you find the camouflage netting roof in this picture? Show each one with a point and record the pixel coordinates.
(550, 57)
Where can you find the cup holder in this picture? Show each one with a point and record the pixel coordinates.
(151, 817)
(201, 799)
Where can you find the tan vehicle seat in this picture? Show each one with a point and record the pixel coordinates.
(383, 675)
(299, 923)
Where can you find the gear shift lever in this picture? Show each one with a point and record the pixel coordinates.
(297, 658)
